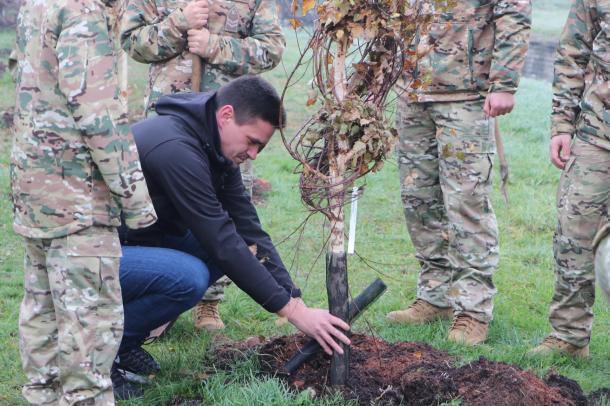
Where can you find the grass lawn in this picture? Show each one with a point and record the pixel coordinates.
(548, 18)
(524, 279)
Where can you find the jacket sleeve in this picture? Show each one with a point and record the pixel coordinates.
(240, 208)
(512, 23)
(149, 36)
(187, 182)
(259, 52)
(88, 81)
(572, 58)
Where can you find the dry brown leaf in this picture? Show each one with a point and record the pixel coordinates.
(295, 23)
(308, 5)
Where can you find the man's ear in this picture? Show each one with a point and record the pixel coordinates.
(224, 114)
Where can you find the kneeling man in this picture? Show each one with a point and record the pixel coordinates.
(190, 154)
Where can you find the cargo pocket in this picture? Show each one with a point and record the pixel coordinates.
(465, 130)
(95, 253)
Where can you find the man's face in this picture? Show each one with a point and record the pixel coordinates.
(241, 142)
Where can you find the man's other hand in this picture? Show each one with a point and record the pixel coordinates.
(560, 150)
(497, 104)
(198, 41)
(196, 14)
(317, 323)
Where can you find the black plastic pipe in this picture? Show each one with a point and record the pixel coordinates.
(355, 309)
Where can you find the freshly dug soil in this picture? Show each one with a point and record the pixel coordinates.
(411, 373)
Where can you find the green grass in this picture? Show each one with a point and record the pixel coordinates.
(548, 18)
(524, 279)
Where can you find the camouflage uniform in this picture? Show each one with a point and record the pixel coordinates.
(245, 38)
(74, 166)
(581, 108)
(447, 145)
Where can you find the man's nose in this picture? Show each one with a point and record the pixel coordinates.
(252, 153)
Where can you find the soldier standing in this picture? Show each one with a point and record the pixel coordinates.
(74, 167)
(231, 38)
(445, 153)
(580, 146)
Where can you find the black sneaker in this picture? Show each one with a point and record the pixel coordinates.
(122, 389)
(137, 364)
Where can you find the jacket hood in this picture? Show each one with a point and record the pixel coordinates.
(198, 112)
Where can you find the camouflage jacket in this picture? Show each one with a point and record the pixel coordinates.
(475, 47)
(74, 162)
(581, 88)
(245, 38)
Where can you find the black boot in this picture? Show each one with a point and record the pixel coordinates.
(137, 365)
(122, 389)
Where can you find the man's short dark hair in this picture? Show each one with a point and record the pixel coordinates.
(252, 97)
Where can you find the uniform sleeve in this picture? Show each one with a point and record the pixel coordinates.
(88, 81)
(259, 52)
(149, 36)
(571, 61)
(512, 22)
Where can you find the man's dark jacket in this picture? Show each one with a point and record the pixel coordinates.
(194, 187)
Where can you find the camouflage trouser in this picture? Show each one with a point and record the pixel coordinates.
(217, 290)
(71, 318)
(445, 160)
(582, 208)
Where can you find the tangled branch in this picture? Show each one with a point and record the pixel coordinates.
(357, 52)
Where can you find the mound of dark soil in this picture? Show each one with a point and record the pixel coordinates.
(413, 374)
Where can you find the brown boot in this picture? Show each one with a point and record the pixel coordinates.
(419, 312)
(207, 317)
(468, 330)
(553, 344)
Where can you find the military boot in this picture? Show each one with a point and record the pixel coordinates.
(553, 344)
(207, 317)
(420, 311)
(467, 330)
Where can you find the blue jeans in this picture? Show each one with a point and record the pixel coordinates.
(160, 283)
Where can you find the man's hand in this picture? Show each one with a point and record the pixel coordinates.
(560, 150)
(497, 104)
(196, 14)
(316, 323)
(198, 41)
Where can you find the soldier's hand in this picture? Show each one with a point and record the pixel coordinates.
(560, 150)
(316, 323)
(198, 41)
(196, 14)
(499, 103)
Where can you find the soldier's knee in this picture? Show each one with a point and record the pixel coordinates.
(473, 207)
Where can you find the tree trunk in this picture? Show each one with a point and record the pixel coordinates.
(336, 287)
(336, 260)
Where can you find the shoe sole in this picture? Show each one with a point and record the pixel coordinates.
(132, 377)
(415, 322)
(552, 352)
